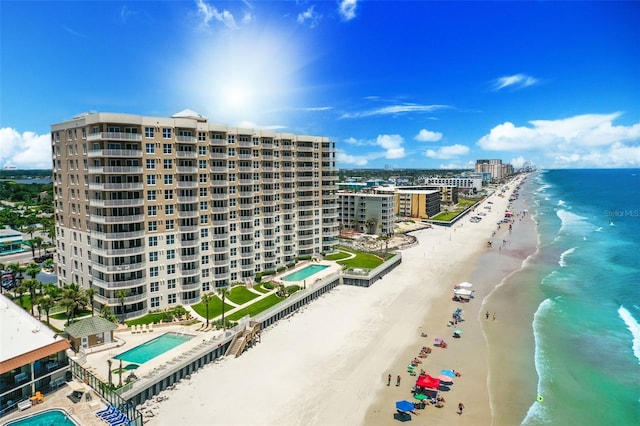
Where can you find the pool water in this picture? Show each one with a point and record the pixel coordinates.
(153, 348)
(304, 273)
(45, 418)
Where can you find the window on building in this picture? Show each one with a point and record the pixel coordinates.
(151, 179)
(153, 271)
(168, 194)
(168, 179)
(152, 226)
(166, 133)
(166, 148)
(155, 302)
(153, 241)
(169, 224)
(151, 164)
(168, 209)
(149, 132)
(168, 163)
(153, 256)
(171, 298)
(152, 210)
(171, 269)
(171, 283)
(151, 195)
(171, 254)
(171, 239)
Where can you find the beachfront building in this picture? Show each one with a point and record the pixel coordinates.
(498, 170)
(465, 184)
(169, 208)
(415, 203)
(448, 193)
(32, 357)
(369, 213)
(10, 241)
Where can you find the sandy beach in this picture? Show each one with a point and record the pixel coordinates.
(328, 363)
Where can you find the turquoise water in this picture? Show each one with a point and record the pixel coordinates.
(304, 273)
(153, 348)
(45, 418)
(586, 329)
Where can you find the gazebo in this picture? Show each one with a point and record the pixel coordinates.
(89, 332)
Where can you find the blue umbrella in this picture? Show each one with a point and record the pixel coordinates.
(404, 406)
(449, 373)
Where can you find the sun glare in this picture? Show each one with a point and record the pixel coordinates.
(244, 75)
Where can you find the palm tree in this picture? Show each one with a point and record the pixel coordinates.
(89, 293)
(121, 295)
(371, 225)
(15, 270)
(33, 269)
(38, 243)
(48, 263)
(32, 245)
(20, 290)
(32, 285)
(45, 303)
(206, 299)
(72, 298)
(224, 292)
(386, 239)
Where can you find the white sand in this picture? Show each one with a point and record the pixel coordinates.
(325, 365)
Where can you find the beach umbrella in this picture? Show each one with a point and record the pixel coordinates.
(420, 396)
(446, 379)
(457, 331)
(404, 406)
(449, 373)
(438, 340)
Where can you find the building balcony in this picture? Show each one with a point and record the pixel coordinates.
(118, 268)
(116, 219)
(117, 252)
(220, 209)
(114, 136)
(218, 155)
(187, 200)
(219, 183)
(114, 301)
(108, 236)
(127, 170)
(115, 153)
(219, 169)
(187, 184)
(221, 249)
(189, 272)
(189, 243)
(190, 286)
(186, 170)
(136, 186)
(188, 228)
(133, 202)
(219, 196)
(110, 285)
(186, 139)
(245, 144)
(186, 154)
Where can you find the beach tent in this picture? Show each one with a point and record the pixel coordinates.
(428, 382)
(404, 406)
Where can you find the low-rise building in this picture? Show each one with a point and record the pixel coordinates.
(32, 357)
(10, 241)
(370, 213)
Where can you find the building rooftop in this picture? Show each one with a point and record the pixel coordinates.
(23, 336)
(90, 326)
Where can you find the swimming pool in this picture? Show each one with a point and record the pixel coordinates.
(45, 418)
(304, 273)
(153, 348)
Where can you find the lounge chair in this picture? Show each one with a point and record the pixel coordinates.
(106, 412)
(151, 328)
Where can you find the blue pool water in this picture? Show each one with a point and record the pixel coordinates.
(45, 418)
(146, 351)
(304, 273)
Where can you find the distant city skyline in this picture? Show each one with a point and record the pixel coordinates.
(416, 85)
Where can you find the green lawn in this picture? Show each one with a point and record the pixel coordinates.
(337, 256)
(147, 319)
(63, 315)
(446, 216)
(260, 288)
(255, 308)
(362, 260)
(241, 295)
(215, 308)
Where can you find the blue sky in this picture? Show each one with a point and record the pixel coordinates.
(416, 84)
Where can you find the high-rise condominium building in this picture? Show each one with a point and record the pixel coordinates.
(168, 209)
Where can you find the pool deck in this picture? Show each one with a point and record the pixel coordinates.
(332, 267)
(83, 412)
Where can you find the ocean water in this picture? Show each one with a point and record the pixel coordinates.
(587, 326)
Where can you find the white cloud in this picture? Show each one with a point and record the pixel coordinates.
(309, 17)
(428, 136)
(25, 151)
(518, 162)
(447, 152)
(516, 81)
(392, 145)
(210, 12)
(343, 157)
(347, 9)
(395, 109)
(458, 166)
(358, 142)
(589, 140)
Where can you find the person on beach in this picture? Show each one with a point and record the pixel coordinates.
(389, 380)
(460, 408)
(486, 316)
(398, 380)
(494, 316)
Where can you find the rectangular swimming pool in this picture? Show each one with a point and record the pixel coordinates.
(45, 418)
(304, 273)
(153, 348)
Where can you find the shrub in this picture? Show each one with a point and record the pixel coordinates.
(280, 269)
(269, 285)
